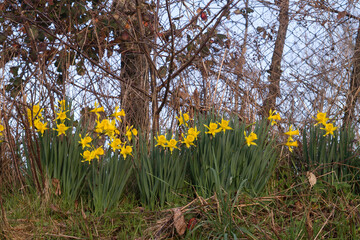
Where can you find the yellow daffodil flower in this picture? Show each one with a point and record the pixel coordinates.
(88, 156)
(161, 140)
(99, 126)
(85, 141)
(1, 129)
(224, 125)
(62, 105)
(188, 140)
(41, 127)
(110, 128)
(62, 116)
(292, 132)
(130, 132)
(118, 114)
(213, 128)
(171, 144)
(126, 150)
(194, 132)
(251, 138)
(329, 128)
(321, 118)
(273, 117)
(290, 143)
(106, 126)
(134, 132)
(61, 129)
(115, 144)
(35, 114)
(97, 109)
(183, 119)
(99, 151)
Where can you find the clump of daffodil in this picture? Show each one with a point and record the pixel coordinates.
(224, 125)
(290, 141)
(107, 127)
(172, 144)
(329, 128)
(188, 140)
(321, 118)
(251, 138)
(130, 131)
(183, 119)
(161, 140)
(126, 150)
(61, 116)
(34, 114)
(118, 114)
(273, 117)
(213, 128)
(85, 141)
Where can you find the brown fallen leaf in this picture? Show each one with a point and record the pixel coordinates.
(312, 178)
(179, 221)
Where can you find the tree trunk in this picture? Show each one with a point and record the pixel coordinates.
(275, 67)
(354, 87)
(135, 70)
(134, 65)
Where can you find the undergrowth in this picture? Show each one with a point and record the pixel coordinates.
(298, 211)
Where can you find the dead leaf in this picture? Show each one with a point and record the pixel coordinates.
(237, 11)
(341, 15)
(179, 221)
(54, 208)
(312, 178)
(56, 185)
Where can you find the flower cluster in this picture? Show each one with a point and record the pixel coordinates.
(322, 119)
(108, 127)
(290, 141)
(192, 133)
(188, 140)
(90, 155)
(273, 117)
(105, 127)
(61, 128)
(35, 118)
(213, 127)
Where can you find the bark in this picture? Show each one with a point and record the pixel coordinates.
(134, 68)
(354, 86)
(275, 67)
